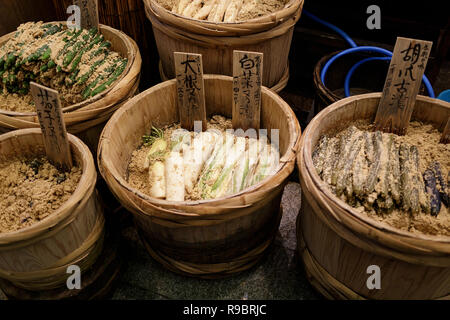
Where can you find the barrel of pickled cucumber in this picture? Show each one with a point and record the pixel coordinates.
(210, 238)
(270, 34)
(341, 247)
(36, 258)
(87, 118)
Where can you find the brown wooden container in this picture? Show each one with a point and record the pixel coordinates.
(335, 78)
(271, 35)
(208, 239)
(338, 244)
(86, 119)
(36, 258)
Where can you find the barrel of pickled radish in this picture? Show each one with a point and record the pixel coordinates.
(202, 238)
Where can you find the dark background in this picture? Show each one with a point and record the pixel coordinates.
(426, 20)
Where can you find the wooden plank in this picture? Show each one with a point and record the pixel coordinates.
(89, 13)
(402, 85)
(247, 81)
(49, 110)
(190, 89)
(446, 133)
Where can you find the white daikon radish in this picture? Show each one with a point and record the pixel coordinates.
(181, 6)
(174, 170)
(221, 8)
(268, 163)
(195, 157)
(158, 146)
(157, 180)
(214, 165)
(233, 11)
(192, 8)
(224, 184)
(204, 12)
(214, 8)
(255, 147)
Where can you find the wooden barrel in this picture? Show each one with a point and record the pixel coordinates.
(271, 35)
(129, 17)
(87, 118)
(361, 83)
(338, 244)
(209, 239)
(36, 258)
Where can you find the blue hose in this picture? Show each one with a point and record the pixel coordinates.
(356, 66)
(341, 32)
(355, 48)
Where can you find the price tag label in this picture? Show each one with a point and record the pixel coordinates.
(49, 111)
(89, 13)
(247, 82)
(190, 89)
(402, 85)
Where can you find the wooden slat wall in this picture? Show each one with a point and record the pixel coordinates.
(15, 12)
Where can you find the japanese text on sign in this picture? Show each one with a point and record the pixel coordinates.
(402, 84)
(247, 81)
(48, 109)
(190, 94)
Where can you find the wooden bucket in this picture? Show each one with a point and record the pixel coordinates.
(271, 35)
(209, 239)
(129, 17)
(36, 258)
(335, 78)
(334, 89)
(338, 244)
(87, 118)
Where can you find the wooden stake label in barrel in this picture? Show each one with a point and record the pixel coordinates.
(89, 13)
(247, 81)
(49, 111)
(402, 85)
(190, 89)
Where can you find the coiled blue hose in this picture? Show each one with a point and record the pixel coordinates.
(355, 48)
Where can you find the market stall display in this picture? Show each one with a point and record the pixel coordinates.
(95, 74)
(50, 219)
(270, 34)
(204, 238)
(374, 218)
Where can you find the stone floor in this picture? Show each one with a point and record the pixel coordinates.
(279, 276)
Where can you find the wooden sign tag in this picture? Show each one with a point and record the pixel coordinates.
(446, 133)
(89, 13)
(190, 89)
(49, 111)
(247, 82)
(402, 85)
